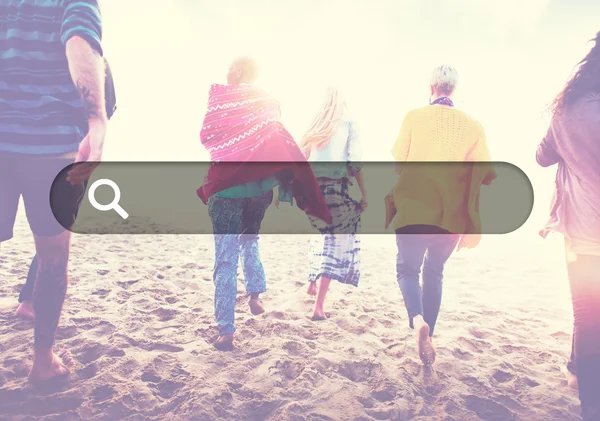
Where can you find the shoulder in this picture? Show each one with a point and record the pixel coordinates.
(66, 3)
(410, 116)
(416, 112)
(78, 6)
(216, 88)
(590, 105)
(584, 113)
(471, 121)
(476, 124)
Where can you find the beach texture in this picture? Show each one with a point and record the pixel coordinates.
(139, 321)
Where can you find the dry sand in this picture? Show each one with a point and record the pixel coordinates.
(138, 320)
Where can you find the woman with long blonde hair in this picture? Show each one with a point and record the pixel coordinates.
(332, 146)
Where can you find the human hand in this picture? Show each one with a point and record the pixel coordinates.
(363, 203)
(468, 241)
(90, 153)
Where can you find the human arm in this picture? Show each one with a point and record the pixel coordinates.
(479, 153)
(361, 185)
(546, 154)
(284, 192)
(81, 34)
(401, 148)
(354, 161)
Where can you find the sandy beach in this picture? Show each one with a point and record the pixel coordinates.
(139, 321)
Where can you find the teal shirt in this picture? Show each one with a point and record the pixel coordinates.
(251, 189)
(258, 187)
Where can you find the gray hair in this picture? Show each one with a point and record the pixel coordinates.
(444, 79)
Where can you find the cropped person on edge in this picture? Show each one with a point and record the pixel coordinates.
(573, 142)
(430, 200)
(25, 309)
(333, 147)
(53, 113)
(242, 127)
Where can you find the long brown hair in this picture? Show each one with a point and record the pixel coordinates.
(323, 126)
(585, 80)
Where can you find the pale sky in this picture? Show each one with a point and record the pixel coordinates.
(512, 57)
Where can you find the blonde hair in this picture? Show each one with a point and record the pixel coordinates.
(444, 79)
(323, 126)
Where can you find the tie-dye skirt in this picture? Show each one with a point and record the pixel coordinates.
(335, 253)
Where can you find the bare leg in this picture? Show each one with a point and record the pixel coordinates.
(315, 253)
(224, 342)
(256, 306)
(572, 380)
(319, 313)
(48, 298)
(424, 344)
(570, 370)
(25, 310)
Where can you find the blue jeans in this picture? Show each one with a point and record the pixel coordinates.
(236, 223)
(585, 294)
(430, 251)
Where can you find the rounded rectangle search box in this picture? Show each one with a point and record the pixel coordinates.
(162, 197)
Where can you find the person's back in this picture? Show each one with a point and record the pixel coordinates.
(575, 137)
(251, 153)
(439, 133)
(332, 159)
(437, 201)
(336, 150)
(333, 147)
(40, 107)
(52, 112)
(434, 194)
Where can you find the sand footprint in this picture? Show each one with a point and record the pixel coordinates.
(360, 371)
(488, 409)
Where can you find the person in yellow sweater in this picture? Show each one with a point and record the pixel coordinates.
(435, 199)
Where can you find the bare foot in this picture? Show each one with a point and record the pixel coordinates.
(256, 307)
(57, 366)
(319, 315)
(224, 342)
(572, 380)
(424, 344)
(312, 289)
(25, 310)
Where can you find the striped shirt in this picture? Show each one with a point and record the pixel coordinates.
(40, 109)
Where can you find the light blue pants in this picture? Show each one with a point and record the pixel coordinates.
(236, 223)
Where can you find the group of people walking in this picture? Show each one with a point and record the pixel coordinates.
(241, 128)
(56, 97)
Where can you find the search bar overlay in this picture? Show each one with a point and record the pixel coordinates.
(162, 198)
(114, 204)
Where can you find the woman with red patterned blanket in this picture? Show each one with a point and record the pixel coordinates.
(251, 153)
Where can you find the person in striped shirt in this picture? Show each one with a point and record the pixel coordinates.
(52, 114)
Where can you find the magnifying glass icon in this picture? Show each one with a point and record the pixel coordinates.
(114, 205)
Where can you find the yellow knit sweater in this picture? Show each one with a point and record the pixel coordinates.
(447, 195)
